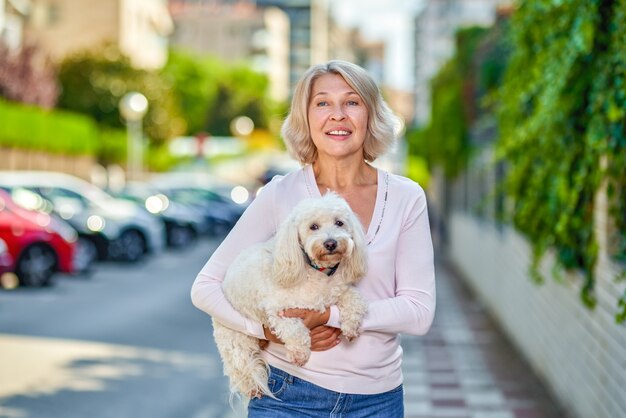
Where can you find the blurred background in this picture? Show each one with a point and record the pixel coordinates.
(134, 133)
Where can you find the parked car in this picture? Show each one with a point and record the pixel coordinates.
(183, 223)
(85, 253)
(38, 244)
(119, 229)
(220, 214)
(6, 261)
(214, 198)
(238, 194)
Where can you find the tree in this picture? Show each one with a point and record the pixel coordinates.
(194, 81)
(26, 76)
(95, 80)
(212, 93)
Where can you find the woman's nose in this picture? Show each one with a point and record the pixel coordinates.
(338, 114)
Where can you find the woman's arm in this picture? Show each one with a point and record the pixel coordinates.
(412, 310)
(257, 224)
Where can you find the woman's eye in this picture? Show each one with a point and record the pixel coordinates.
(338, 223)
(314, 227)
(322, 103)
(353, 103)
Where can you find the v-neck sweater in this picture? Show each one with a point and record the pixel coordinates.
(399, 285)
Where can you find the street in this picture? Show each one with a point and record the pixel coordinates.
(123, 342)
(126, 342)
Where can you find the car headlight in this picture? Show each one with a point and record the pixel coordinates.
(157, 203)
(31, 200)
(96, 223)
(239, 194)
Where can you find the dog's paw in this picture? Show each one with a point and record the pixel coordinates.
(255, 393)
(350, 330)
(298, 355)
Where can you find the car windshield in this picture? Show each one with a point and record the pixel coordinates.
(93, 193)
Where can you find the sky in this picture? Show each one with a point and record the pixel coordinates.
(390, 21)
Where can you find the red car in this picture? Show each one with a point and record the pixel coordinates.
(6, 261)
(38, 244)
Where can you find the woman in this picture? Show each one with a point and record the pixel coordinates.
(337, 125)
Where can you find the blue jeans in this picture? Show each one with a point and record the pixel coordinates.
(299, 398)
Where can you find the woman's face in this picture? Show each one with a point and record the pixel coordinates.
(337, 117)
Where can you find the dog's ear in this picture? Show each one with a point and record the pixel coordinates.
(355, 266)
(288, 267)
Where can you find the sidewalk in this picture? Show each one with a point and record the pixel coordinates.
(466, 368)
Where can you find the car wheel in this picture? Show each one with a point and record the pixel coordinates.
(131, 246)
(36, 265)
(85, 255)
(181, 236)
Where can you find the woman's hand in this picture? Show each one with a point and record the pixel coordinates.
(269, 337)
(322, 337)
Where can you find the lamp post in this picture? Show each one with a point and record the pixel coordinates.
(133, 108)
(242, 126)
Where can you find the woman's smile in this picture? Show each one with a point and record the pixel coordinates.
(339, 133)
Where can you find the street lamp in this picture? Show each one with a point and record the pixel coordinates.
(133, 108)
(242, 126)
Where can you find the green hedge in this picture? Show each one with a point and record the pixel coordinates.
(54, 131)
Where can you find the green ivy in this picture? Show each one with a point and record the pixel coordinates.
(445, 140)
(562, 127)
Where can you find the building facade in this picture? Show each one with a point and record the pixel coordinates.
(13, 16)
(236, 31)
(435, 28)
(139, 27)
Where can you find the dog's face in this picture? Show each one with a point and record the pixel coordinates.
(325, 234)
(328, 232)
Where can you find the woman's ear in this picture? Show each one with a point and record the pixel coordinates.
(356, 264)
(288, 266)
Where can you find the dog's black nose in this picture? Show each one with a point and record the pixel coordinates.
(330, 244)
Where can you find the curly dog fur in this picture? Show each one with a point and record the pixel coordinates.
(275, 275)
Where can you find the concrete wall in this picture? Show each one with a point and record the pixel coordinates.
(19, 159)
(581, 354)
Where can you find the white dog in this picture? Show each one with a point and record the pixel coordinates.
(314, 260)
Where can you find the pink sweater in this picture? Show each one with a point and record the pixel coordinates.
(399, 285)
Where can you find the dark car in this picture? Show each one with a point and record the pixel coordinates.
(222, 203)
(220, 213)
(183, 223)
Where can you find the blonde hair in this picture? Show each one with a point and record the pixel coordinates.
(383, 125)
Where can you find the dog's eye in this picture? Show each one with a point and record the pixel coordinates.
(314, 227)
(338, 223)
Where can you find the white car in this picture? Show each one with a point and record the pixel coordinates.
(118, 229)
